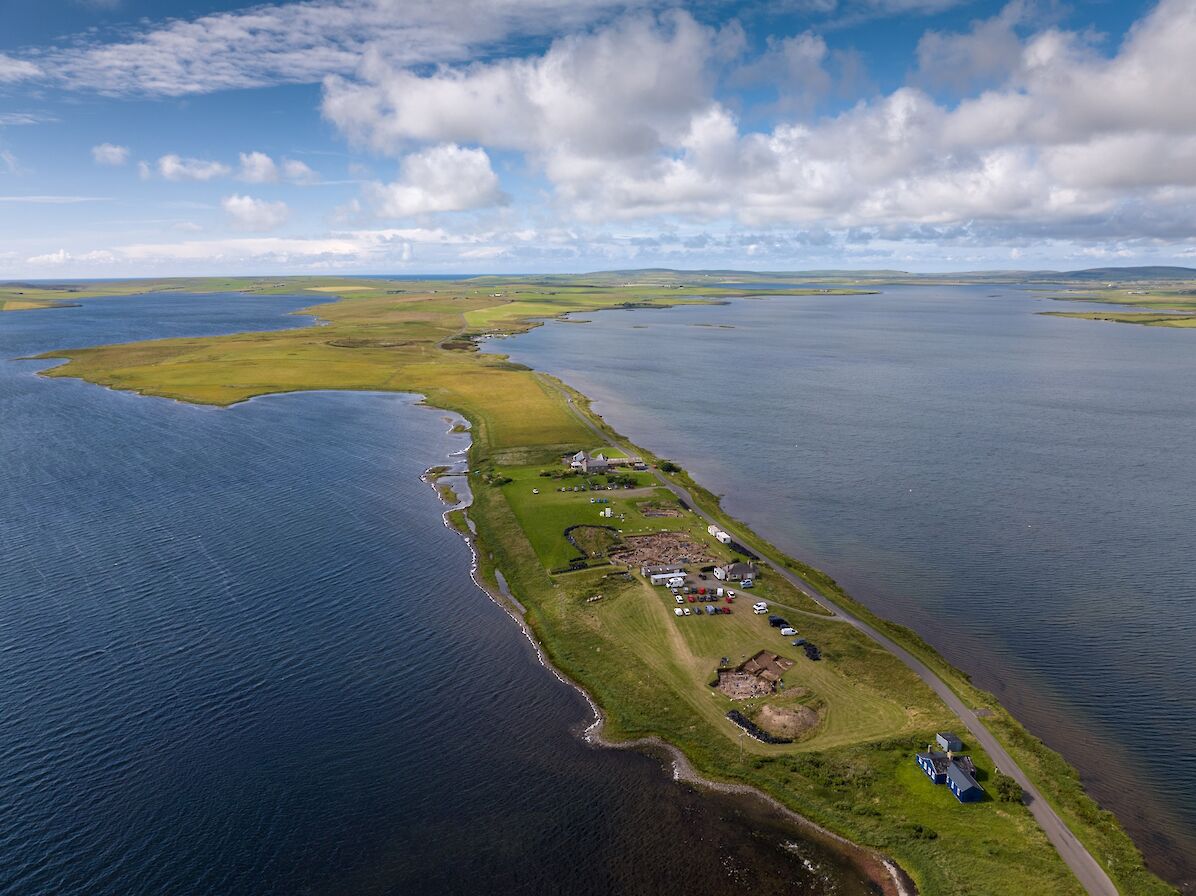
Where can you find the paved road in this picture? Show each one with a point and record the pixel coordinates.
(1091, 876)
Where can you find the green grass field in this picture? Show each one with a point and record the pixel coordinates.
(649, 670)
(1172, 305)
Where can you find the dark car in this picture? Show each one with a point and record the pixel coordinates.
(777, 621)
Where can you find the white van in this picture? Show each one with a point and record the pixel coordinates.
(788, 631)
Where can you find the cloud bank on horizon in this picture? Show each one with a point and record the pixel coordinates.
(536, 135)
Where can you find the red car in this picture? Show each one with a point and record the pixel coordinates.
(725, 609)
(701, 591)
(691, 599)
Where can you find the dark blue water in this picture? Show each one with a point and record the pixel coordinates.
(240, 654)
(1018, 488)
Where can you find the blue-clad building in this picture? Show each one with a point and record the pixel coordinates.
(957, 772)
(935, 766)
(962, 784)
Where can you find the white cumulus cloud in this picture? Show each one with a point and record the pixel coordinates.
(444, 178)
(298, 172)
(258, 168)
(258, 215)
(173, 167)
(624, 123)
(110, 154)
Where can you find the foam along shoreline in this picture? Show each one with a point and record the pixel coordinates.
(879, 869)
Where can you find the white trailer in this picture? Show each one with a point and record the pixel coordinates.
(723, 537)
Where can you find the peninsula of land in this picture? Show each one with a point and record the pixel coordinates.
(681, 623)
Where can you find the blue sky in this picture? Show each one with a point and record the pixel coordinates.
(403, 136)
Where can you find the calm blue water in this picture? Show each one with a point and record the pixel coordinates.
(240, 654)
(1017, 488)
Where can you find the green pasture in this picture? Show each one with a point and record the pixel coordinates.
(650, 672)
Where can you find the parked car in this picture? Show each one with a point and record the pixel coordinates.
(687, 613)
(726, 610)
(776, 621)
(680, 599)
(788, 631)
(747, 583)
(692, 598)
(678, 611)
(759, 608)
(710, 611)
(798, 642)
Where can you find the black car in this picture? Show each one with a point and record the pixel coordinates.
(777, 621)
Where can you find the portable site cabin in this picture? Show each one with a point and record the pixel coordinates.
(719, 534)
(948, 742)
(672, 578)
(648, 571)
